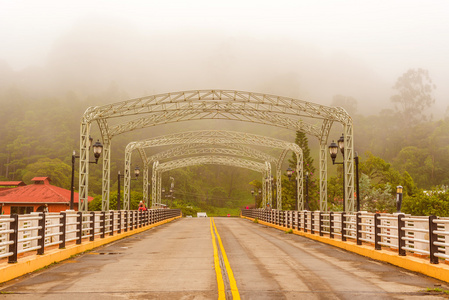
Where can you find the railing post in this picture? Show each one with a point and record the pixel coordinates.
(112, 222)
(41, 233)
(358, 228)
(125, 225)
(305, 219)
(401, 234)
(102, 224)
(377, 230)
(79, 227)
(432, 239)
(63, 223)
(92, 222)
(119, 222)
(131, 220)
(320, 224)
(312, 222)
(14, 237)
(343, 231)
(137, 220)
(331, 224)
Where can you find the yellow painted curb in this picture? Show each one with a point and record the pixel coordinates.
(415, 264)
(32, 263)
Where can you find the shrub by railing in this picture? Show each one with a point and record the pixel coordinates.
(427, 236)
(38, 231)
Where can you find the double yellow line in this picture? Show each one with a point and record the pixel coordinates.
(218, 270)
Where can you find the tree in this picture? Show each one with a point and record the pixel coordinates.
(59, 172)
(376, 199)
(424, 204)
(348, 103)
(413, 95)
(308, 168)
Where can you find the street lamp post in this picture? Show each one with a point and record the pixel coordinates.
(267, 182)
(333, 149)
(98, 148)
(307, 190)
(255, 202)
(399, 198)
(136, 173)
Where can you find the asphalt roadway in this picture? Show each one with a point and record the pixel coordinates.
(177, 261)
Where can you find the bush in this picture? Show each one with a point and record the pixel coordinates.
(434, 203)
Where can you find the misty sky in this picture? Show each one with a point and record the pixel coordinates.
(238, 42)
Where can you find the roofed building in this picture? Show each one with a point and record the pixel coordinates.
(24, 199)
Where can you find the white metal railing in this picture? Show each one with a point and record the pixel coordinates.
(36, 231)
(421, 235)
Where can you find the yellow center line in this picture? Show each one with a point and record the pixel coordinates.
(232, 282)
(220, 282)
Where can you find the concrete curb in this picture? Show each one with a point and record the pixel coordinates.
(411, 263)
(35, 262)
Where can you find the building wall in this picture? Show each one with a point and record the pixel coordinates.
(51, 207)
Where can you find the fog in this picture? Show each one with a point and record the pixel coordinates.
(311, 50)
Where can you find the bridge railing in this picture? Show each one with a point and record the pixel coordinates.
(39, 231)
(426, 236)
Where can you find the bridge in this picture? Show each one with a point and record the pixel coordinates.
(265, 254)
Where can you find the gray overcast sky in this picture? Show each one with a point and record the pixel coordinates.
(388, 36)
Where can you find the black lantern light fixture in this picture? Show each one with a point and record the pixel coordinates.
(119, 177)
(97, 148)
(333, 150)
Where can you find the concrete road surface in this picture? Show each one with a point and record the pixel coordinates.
(176, 261)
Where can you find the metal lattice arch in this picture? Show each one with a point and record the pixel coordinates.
(202, 160)
(233, 139)
(297, 115)
(198, 149)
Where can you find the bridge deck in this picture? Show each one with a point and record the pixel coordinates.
(177, 261)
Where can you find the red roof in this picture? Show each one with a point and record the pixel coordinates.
(38, 193)
(12, 183)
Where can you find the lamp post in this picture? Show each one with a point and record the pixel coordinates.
(289, 174)
(98, 148)
(333, 149)
(267, 189)
(255, 202)
(399, 198)
(307, 190)
(119, 177)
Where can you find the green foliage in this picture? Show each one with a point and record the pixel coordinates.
(135, 198)
(59, 172)
(425, 204)
(413, 95)
(39, 133)
(374, 199)
(309, 175)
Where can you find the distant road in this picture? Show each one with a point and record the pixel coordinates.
(176, 261)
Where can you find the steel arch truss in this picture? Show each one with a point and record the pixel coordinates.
(216, 137)
(196, 149)
(293, 114)
(159, 168)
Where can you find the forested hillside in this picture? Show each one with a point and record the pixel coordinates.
(39, 130)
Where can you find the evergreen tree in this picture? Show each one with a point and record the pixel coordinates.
(308, 171)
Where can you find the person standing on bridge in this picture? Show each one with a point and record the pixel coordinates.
(142, 206)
